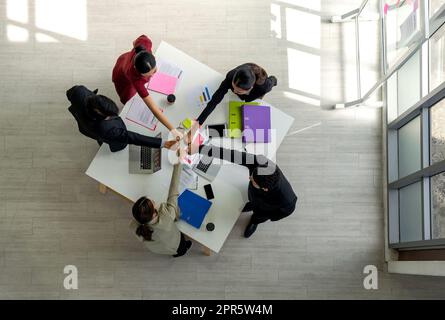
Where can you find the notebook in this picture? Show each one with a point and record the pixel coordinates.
(256, 124)
(235, 118)
(162, 83)
(193, 208)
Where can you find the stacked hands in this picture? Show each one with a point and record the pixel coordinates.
(182, 141)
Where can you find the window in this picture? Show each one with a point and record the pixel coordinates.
(403, 27)
(435, 6)
(437, 142)
(410, 212)
(409, 148)
(408, 83)
(415, 103)
(437, 58)
(391, 92)
(438, 205)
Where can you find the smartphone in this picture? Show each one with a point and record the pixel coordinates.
(216, 130)
(209, 192)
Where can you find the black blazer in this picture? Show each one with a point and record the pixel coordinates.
(276, 203)
(257, 92)
(112, 131)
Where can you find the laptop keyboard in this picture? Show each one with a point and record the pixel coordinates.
(157, 159)
(145, 158)
(204, 166)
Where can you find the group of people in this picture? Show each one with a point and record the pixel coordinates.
(270, 194)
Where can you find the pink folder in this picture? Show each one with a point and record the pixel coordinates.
(162, 83)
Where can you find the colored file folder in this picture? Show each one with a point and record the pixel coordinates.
(193, 208)
(162, 83)
(235, 117)
(256, 124)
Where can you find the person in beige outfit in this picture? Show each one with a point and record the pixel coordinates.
(155, 225)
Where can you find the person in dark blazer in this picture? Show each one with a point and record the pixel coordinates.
(271, 196)
(97, 118)
(248, 81)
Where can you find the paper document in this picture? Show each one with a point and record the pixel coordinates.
(188, 180)
(139, 113)
(169, 69)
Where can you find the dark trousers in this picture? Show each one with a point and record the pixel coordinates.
(262, 216)
(184, 245)
(259, 217)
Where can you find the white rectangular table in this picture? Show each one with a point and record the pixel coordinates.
(230, 186)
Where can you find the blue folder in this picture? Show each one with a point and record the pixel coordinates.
(193, 208)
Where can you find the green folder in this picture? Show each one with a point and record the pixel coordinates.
(236, 119)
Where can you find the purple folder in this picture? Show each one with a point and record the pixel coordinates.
(256, 123)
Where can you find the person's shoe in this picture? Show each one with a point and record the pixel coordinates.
(247, 207)
(250, 229)
(274, 80)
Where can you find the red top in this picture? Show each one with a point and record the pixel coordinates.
(127, 80)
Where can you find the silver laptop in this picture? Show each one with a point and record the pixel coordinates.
(206, 168)
(144, 159)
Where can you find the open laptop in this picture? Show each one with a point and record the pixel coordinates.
(206, 168)
(144, 160)
(203, 165)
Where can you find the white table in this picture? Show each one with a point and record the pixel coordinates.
(230, 186)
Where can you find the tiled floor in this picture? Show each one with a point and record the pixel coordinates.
(52, 215)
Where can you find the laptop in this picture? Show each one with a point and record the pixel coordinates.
(144, 160)
(206, 168)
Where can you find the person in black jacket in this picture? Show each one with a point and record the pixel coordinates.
(97, 118)
(248, 81)
(270, 194)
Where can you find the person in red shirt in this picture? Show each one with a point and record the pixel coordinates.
(133, 71)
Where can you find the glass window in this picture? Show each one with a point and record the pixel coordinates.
(370, 61)
(437, 143)
(408, 83)
(437, 58)
(435, 5)
(410, 211)
(391, 93)
(409, 148)
(438, 205)
(403, 27)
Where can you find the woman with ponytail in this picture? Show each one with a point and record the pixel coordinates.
(132, 72)
(248, 81)
(154, 224)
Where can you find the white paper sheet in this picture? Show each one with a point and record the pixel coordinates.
(141, 114)
(169, 68)
(188, 179)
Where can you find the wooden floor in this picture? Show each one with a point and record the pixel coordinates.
(52, 215)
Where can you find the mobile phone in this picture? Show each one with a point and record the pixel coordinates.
(216, 130)
(209, 192)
